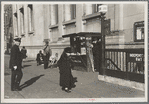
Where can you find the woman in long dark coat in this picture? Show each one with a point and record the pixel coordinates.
(65, 65)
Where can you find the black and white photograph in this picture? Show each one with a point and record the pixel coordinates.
(87, 51)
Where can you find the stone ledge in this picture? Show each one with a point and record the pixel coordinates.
(132, 84)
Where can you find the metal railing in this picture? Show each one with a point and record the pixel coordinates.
(125, 63)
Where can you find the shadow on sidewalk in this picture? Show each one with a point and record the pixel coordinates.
(26, 66)
(31, 81)
(28, 60)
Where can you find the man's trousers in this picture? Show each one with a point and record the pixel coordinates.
(16, 77)
(46, 61)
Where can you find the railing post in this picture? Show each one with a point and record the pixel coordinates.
(127, 65)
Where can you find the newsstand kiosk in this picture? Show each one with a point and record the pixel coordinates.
(81, 48)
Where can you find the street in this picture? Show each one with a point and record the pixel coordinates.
(40, 83)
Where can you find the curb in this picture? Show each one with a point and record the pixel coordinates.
(122, 82)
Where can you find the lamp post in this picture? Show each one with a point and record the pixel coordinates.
(103, 10)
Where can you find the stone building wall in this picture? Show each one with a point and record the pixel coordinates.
(122, 18)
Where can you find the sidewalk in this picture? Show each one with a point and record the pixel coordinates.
(40, 83)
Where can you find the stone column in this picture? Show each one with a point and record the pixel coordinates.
(46, 21)
(88, 9)
(121, 17)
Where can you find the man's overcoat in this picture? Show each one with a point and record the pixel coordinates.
(15, 57)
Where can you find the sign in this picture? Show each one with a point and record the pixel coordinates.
(102, 8)
(136, 57)
(139, 34)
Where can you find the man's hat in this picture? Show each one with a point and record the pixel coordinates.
(16, 38)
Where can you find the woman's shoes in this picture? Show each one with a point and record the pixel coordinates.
(66, 90)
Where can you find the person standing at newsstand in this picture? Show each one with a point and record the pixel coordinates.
(47, 53)
(65, 64)
(15, 65)
(97, 53)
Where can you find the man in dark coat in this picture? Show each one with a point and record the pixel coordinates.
(15, 65)
(47, 53)
(97, 54)
(65, 65)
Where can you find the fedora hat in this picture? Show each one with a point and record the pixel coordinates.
(16, 38)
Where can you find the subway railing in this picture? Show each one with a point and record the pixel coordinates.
(125, 63)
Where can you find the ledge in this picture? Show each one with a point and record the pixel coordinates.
(53, 26)
(23, 34)
(91, 16)
(128, 43)
(69, 22)
(31, 32)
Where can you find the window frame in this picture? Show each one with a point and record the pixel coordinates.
(16, 23)
(136, 25)
(22, 20)
(73, 11)
(30, 18)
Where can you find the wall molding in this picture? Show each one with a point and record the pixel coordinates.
(53, 46)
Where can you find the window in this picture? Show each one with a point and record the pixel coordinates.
(16, 23)
(69, 12)
(73, 11)
(30, 17)
(139, 31)
(22, 20)
(54, 14)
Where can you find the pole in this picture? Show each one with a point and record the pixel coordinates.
(103, 43)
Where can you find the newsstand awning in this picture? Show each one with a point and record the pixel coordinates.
(92, 34)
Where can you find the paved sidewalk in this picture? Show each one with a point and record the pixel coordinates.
(40, 83)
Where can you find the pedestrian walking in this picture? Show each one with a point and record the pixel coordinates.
(15, 65)
(47, 53)
(97, 54)
(65, 65)
(23, 51)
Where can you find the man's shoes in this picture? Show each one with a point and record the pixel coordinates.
(13, 89)
(19, 89)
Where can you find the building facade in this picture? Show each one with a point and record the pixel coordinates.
(37, 23)
(8, 27)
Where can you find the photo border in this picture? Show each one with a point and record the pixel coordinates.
(63, 100)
